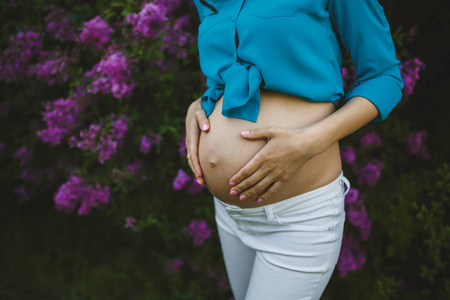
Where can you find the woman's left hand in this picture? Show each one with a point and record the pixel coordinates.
(284, 154)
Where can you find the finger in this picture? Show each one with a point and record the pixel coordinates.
(248, 182)
(192, 148)
(256, 189)
(261, 133)
(275, 187)
(202, 120)
(251, 167)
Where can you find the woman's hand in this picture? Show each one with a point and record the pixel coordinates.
(196, 121)
(284, 154)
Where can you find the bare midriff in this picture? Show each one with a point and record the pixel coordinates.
(223, 151)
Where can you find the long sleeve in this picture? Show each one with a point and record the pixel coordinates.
(365, 33)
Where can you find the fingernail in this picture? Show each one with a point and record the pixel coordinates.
(232, 183)
(260, 200)
(233, 192)
(205, 127)
(199, 181)
(245, 133)
(242, 197)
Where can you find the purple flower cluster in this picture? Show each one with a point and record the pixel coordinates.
(171, 5)
(96, 32)
(357, 214)
(370, 139)
(148, 140)
(174, 267)
(53, 68)
(182, 146)
(98, 141)
(16, 60)
(410, 74)
(352, 256)
(130, 222)
(190, 182)
(198, 231)
(24, 155)
(348, 76)
(370, 173)
(176, 38)
(112, 75)
(348, 155)
(60, 116)
(58, 25)
(416, 144)
(22, 193)
(75, 192)
(147, 22)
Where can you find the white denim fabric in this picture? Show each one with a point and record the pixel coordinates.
(286, 250)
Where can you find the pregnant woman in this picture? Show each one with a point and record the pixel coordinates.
(264, 137)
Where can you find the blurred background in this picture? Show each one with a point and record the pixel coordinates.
(97, 200)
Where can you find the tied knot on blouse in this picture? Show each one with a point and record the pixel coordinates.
(242, 90)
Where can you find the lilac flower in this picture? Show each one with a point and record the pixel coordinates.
(348, 155)
(416, 144)
(114, 76)
(2, 148)
(348, 77)
(130, 222)
(180, 180)
(182, 146)
(370, 173)
(134, 166)
(24, 196)
(98, 141)
(352, 255)
(53, 68)
(171, 5)
(193, 187)
(198, 231)
(96, 32)
(60, 116)
(357, 216)
(148, 140)
(28, 174)
(148, 20)
(410, 74)
(75, 192)
(370, 138)
(58, 25)
(24, 155)
(176, 38)
(174, 267)
(17, 59)
(352, 196)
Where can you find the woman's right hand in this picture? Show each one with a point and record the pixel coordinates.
(196, 121)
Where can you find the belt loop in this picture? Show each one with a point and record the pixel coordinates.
(345, 182)
(269, 213)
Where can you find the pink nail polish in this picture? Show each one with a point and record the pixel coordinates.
(233, 192)
(205, 127)
(199, 181)
(232, 183)
(260, 200)
(242, 197)
(245, 132)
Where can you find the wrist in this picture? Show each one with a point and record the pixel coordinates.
(313, 139)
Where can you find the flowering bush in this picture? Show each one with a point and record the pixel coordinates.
(93, 117)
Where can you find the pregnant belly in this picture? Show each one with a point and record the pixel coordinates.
(223, 152)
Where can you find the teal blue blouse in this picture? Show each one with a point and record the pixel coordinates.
(294, 46)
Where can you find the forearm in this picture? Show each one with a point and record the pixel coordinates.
(356, 113)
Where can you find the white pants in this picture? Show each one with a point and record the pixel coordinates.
(286, 250)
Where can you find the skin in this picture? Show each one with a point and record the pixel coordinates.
(284, 153)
